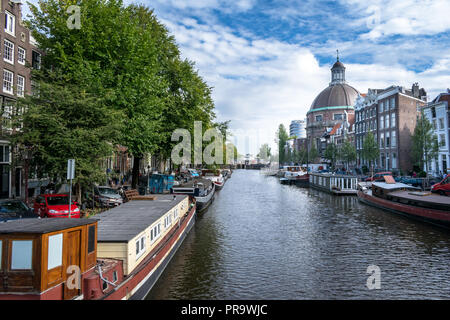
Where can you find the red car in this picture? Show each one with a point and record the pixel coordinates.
(379, 176)
(55, 206)
(442, 187)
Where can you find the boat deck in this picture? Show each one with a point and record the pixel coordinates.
(427, 198)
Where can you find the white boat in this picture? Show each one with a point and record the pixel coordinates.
(215, 176)
(202, 189)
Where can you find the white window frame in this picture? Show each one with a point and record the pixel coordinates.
(21, 55)
(8, 46)
(394, 139)
(140, 245)
(155, 233)
(10, 20)
(20, 86)
(11, 81)
(393, 120)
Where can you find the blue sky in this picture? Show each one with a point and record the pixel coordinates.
(267, 59)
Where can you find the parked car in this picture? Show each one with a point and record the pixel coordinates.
(107, 197)
(15, 209)
(55, 206)
(442, 187)
(379, 176)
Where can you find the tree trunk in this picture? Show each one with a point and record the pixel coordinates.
(135, 175)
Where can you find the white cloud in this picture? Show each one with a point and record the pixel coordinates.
(402, 17)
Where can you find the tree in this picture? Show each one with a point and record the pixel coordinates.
(282, 138)
(312, 154)
(331, 153)
(424, 143)
(64, 122)
(264, 152)
(370, 150)
(126, 56)
(347, 152)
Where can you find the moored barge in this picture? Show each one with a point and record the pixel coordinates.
(335, 184)
(201, 189)
(408, 201)
(119, 256)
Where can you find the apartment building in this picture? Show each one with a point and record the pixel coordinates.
(19, 54)
(438, 113)
(391, 115)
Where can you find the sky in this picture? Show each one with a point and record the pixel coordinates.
(267, 60)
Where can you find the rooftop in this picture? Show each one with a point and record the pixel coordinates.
(41, 226)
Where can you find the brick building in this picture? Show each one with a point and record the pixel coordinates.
(391, 115)
(19, 53)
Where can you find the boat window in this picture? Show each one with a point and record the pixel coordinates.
(140, 247)
(55, 248)
(91, 239)
(21, 255)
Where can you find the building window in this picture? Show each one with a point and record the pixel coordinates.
(140, 247)
(434, 124)
(388, 140)
(20, 86)
(442, 140)
(21, 255)
(10, 23)
(8, 81)
(381, 107)
(55, 248)
(319, 118)
(8, 53)
(382, 140)
(441, 123)
(386, 120)
(392, 120)
(338, 116)
(382, 160)
(36, 60)
(4, 154)
(392, 105)
(394, 139)
(381, 122)
(394, 161)
(21, 55)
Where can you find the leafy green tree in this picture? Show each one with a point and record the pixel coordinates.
(424, 143)
(264, 152)
(64, 122)
(331, 153)
(312, 154)
(127, 56)
(347, 152)
(370, 151)
(282, 138)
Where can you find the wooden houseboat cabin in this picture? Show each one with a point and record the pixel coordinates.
(45, 258)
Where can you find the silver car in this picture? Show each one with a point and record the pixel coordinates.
(107, 197)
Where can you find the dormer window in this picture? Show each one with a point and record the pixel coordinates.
(10, 23)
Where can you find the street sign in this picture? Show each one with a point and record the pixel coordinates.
(70, 169)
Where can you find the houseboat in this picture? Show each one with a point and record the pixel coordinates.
(335, 184)
(408, 201)
(297, 175)
(120, 255)
(201, 189)
(215, 176)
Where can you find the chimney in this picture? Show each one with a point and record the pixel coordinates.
(415, 90)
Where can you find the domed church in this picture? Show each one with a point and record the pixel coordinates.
(332, 106)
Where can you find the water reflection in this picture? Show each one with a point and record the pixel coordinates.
(263, 240)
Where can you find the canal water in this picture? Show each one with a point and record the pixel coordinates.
(263, 240)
